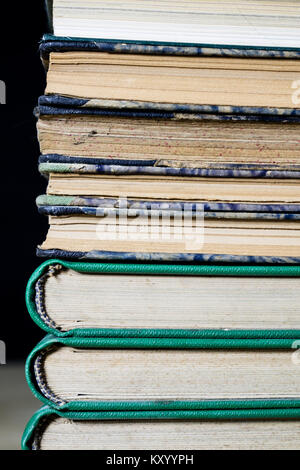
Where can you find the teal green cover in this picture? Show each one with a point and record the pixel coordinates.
(159, 337)
(51, 341)
(290, 411)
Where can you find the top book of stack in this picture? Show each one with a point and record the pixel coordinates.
(258, 24)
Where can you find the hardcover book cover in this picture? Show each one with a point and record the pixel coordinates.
(54, 104)
(261, 412)
(35, 300)
(59, 391)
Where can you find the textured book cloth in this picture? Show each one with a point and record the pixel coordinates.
(224, 170)
(51, 43)
(227, 82)
(142, 373)
(86, 140)
(63, 205)
(216, 308)
(54, 104)
(262, 428)
(185, 258)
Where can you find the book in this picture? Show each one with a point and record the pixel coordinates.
(76, 372)
(225, 302)
(158, 79)
(223, 241)
(221, 429)
(172, 223)
(264, 24)
(264, 145)
(89, 223)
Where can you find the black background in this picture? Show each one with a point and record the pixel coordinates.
(22, 228)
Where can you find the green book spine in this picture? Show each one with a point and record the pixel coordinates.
(50, 342)
(165, 337)
(257, 413)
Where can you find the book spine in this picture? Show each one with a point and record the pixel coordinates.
(125, 257)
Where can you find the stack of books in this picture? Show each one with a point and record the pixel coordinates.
(169, 134)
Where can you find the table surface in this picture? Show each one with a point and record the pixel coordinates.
(17, 405)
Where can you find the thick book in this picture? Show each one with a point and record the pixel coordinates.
(167, 143)
(51, 43)
(111, 374)
(172, 222)
(242, 303)
(163, 80)
(266, 24)
(220, 429)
